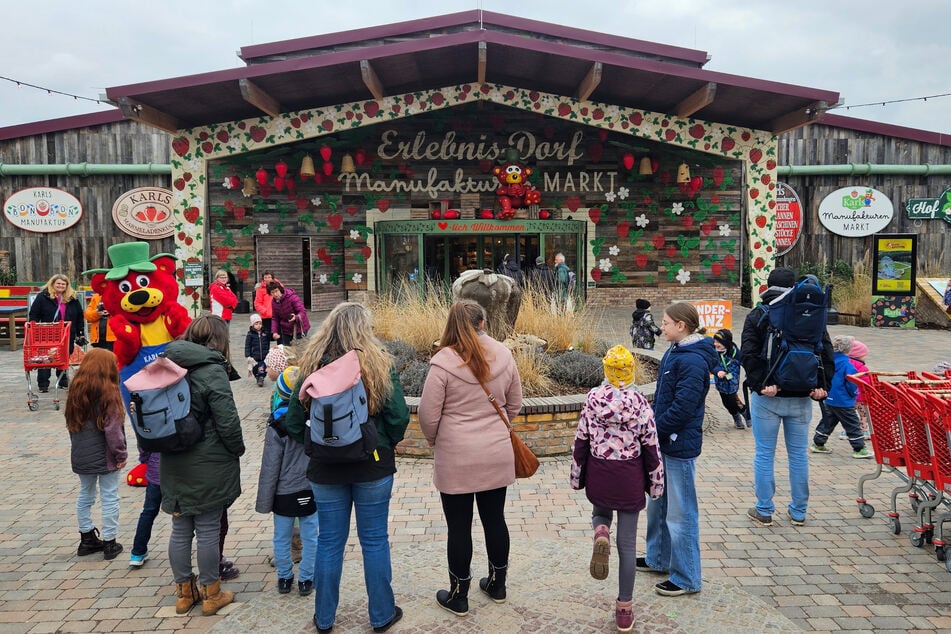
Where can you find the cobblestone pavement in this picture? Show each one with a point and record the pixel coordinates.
(837, 573)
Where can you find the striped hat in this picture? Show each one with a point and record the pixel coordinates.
(286, 381)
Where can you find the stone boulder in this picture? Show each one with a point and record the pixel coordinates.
(498, 294)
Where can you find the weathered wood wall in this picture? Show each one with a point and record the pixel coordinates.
(828, 145)
(37, 256)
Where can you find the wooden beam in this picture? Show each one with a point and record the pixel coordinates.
(257, 97)
(798, 118)
(149, 116)
(371, 80)
(697, 101)
(483, 59)
(590, 82)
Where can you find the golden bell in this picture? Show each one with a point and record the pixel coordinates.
(683, 173)
(249, 189)
(307, 167)
(346, 164)
(645, 168)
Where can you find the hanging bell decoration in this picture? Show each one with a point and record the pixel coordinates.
(249, 189)
(683, 174)
(346, 165)
(646, 168)
(307, 167)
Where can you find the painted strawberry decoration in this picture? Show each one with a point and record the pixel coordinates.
(636, 119)
(765, 178)
(487, 214)
(595, 152)
(640, 260)
(243, 274)
(222, 136)
(759, 263)
(327, 125)
(755, 155)
(564, 110)
(257, 133)
(760, 221)
(180, 146)
(658, 242)
(729, 261)
(670, 134)
(717, 174)
(671, 251)
(623, 229)
(366, 251)
(596, 274)
(727, 144)
(688, 222)
(628, 161)
(301, 203)
(179, 184)
(754, 193)
(239, 213)
(595, 214)
(281, 168)
(222, 252)
(371, 108)
(383, 204)
(572, 203)
(192, 214)
(696, 131)
(207, 147)
(716, 268)
(323, 256)
(335, 221)
(351, 210)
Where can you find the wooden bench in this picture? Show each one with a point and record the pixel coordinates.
(14, 305)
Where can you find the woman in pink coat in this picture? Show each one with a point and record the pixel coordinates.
(473, 453)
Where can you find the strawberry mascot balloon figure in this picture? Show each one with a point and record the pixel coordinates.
(141, 295)
(514, 190)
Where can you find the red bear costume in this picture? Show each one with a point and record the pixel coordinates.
(515, 190)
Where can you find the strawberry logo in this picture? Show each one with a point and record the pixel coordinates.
(335, 221)
(596, 274)
(180, 145)
(640, 260)
(257, 133)
(572, 203)
(595, 214)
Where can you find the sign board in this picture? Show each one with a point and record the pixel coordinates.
(855, 211)
(145, 212)
(894, 260)
(194, 274)
(42, 209)
(715, 314)
(788, 225)
(930, 208)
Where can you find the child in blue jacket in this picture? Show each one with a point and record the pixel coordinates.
(839, 406)
(727, 377)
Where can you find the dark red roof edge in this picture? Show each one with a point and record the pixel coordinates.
(61, 124)
(885, 129)
(472, 17)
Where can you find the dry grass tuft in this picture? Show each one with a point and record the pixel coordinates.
(854, 296)
(411, 317)
(563, 329)
(532, 371)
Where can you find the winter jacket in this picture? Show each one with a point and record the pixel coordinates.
(208, 476)
(643, 329)
(754, 337)
(257, 343)
(282, 309)
(391, 422)
(262, 301)
(473, 451)
(729, 362)
(96, 452)
(859, 369)
(616, 450)
(223, 300)
(683, 380)
(46, 309)
(283, 467)
(152, 460)
(561, 280)
(513, 270)
(842, 393)
(99, 327)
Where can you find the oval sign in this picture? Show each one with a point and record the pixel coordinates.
(42, 209)
(856, 211)
(145, 212)
(788, 218)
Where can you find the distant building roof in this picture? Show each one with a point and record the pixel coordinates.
(61, 124)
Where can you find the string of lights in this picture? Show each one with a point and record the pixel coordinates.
(888, 101)
(49, 91)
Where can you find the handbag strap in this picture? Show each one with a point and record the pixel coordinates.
(495, 405)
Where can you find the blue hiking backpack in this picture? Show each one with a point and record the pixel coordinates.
(793, 345)
(341, 429)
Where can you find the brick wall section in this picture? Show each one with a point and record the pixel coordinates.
(659, 297)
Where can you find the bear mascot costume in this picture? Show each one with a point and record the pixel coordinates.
(141, 295)
(514, 190)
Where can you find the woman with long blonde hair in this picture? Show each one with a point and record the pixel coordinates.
(58, 302)
(95, 420)
(364, 486)
(473, 452)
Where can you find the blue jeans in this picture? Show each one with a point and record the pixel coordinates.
(372, 503)
(109, 492)
(150, 510)
(795, 415)
(673, 525)
(283, 531)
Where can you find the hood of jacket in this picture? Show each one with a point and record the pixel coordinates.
(189, 354)
(701, 346)
(614, 407)
(448, 360)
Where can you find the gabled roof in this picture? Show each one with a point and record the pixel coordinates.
(467, 47)
(886, 129)
(61, 124)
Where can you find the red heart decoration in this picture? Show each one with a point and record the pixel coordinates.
(442, 225)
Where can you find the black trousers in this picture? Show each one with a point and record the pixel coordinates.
(458, 511)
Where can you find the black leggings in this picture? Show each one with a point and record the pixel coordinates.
(458, 511)
(731, 402)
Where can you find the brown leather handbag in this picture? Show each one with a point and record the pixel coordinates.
(526, 464)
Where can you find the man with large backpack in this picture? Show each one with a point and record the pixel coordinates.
(788, 358)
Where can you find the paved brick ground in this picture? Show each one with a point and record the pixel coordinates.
(838, 573)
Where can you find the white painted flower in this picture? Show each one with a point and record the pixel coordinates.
(724, 230)
(182, 254)
(767, 235)
(614, 250)
(605, 264)
(315, 201)
(357, 278)
(190, 229)
(322, 278)
(622, 192)
(354, 234)
(227, 183)
(262, 228)
(677, 208)
(683, 276)
(195, 166)
(642, 221)
(610, 196)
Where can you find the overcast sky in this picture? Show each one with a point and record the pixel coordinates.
(868, 51)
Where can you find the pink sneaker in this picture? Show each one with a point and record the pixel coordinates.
(624, 616)
(600, 552)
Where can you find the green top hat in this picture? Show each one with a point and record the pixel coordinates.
(129, 256)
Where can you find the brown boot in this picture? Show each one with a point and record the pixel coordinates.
(187, 593)
(213, 598)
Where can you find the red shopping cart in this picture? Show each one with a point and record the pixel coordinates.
(44, 346)
(939, 440)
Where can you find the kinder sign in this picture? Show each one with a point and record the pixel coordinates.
(42, 209)
(145, 212)
(788, 218)
(855, 211)
(715, 314)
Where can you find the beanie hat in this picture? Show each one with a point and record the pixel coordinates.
(276, 360)
(619, 366)
(842, 343)
(782, 277)
(725, 337)
(642, 304)
(286, 381)
(255, 318)
(539, 261)
(859, 350)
